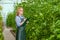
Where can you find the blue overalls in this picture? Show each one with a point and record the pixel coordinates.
(20, 34)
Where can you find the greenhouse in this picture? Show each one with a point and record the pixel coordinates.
(29, 19)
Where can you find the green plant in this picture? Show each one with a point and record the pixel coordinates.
(10, 21)
(44, 23)
(1, 34)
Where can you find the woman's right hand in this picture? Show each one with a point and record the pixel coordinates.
(24, 19)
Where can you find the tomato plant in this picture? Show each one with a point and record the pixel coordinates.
(1, 34)
(44, 23)
(10, 21)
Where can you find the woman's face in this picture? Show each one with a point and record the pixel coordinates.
(20, 10)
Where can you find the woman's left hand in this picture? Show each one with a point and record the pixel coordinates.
(27, 22)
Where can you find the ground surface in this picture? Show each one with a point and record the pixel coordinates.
(7, 34)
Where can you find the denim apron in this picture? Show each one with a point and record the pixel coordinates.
(20, 34)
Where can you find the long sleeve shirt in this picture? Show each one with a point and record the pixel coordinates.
(18, 20)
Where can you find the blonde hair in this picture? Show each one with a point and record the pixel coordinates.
(18, 11)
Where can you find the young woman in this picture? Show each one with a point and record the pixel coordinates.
(20, 34)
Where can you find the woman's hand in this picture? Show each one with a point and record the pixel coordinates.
(24, 19)
(27, 22)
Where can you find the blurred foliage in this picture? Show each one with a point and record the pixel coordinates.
(0, 7)
(44, 23)
(10, 21)
(1, 34)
